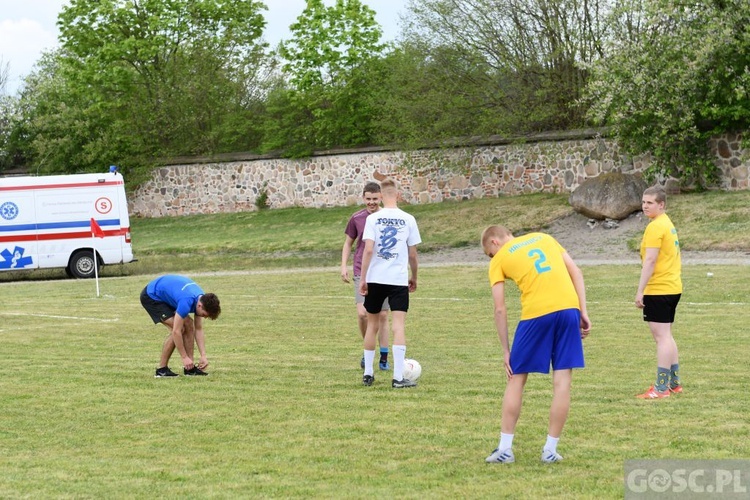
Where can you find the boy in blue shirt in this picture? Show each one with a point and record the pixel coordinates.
(169, 300)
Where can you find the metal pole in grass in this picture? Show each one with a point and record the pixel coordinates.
(96, 232)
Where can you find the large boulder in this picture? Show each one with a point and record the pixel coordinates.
(612, 195)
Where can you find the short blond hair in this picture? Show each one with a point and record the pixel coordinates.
(495, 231)
(389, 187)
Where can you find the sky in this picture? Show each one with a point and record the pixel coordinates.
(27, 27)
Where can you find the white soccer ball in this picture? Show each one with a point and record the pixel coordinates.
(412, 369)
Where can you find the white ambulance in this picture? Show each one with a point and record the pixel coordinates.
(46, 222)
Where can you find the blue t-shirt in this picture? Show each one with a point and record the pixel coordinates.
(178, 291)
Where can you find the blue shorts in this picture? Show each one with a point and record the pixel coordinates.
(553, 338)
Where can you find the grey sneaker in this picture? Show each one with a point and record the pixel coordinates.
(368, 380)
(501, 457)
(402, 384)
(164, 372)
(550, 457)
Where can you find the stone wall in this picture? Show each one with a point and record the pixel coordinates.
(733, 161)
(426, 176)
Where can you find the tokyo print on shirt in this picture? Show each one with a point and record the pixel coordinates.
(393, 231)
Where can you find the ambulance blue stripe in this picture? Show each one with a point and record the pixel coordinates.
(59, 225)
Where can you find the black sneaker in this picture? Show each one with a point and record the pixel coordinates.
(402, 384)
(164, 372)
(368, 380)
(362, 363)
(194, 371)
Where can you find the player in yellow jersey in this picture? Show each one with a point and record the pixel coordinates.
(659, 290)
(554, 319)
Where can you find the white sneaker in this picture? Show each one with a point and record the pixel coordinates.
(501, 457)
(550, 457)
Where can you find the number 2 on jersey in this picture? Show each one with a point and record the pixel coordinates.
(540, 261)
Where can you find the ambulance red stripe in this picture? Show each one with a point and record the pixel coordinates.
(62, 236)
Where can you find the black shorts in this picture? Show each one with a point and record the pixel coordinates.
(159, 311)
(660, 308)
(397, 295)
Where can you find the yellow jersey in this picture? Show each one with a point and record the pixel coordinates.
(660, 233)
(535, 263)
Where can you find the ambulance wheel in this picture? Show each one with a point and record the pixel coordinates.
(82, 264)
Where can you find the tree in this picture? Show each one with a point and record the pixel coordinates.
(328, 59)
(60, 123)
(419, 101)
(328, 42)
(680, 77)
(136, 80)
(6, 117)
(529, 53)
(4, 75)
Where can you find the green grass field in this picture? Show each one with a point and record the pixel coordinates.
(284, 414)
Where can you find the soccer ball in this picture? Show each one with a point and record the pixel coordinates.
(412, 369)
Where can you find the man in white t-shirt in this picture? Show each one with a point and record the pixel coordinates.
(391, 237)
